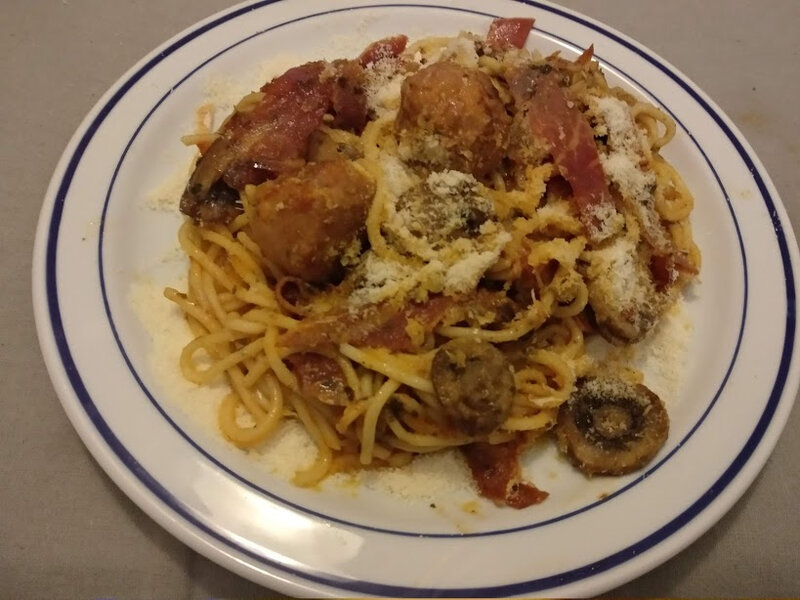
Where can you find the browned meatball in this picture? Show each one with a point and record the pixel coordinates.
(474, 383)
(305, 222)
(451, 117)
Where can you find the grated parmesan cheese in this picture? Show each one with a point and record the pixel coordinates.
(620, 270)
(382, 84)
(662, 355)
(397, 178)
(623, 161)
(460, 49)
(606, 219)
(433, 224)
(383, 279)
(166, 197)
(429, 478)
(619, 281)
(465, 273)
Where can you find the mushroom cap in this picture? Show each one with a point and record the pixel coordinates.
(611, 427)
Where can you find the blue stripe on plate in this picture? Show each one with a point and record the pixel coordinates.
(369, 587)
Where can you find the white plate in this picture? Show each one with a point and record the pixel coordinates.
(96, 237)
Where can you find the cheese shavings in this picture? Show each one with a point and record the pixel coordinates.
(622, 291)
(623, 161)
(460, 49)
(382, 83)
(443, 231)
(616, 266)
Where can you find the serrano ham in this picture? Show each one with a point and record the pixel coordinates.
(554, 119)
(508, 33)
(380, 326)
(319, 377)
(272, 136)
(257, 144)
(497, 473)
(390, 47)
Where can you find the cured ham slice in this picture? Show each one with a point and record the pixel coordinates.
(498, 475)
(258, 144)
(381, 326)
(553, 118)
(319, 377)
(508, 33)
(390, 47)
(271, 136)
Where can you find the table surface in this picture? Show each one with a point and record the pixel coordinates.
(66, 531)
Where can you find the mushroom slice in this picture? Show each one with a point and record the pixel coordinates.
(475, 385)
(611, 427)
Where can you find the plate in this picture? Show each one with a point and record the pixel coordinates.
(99, 237)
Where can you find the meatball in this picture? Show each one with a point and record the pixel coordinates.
(451, 117)
(305, 222)
(475, 385)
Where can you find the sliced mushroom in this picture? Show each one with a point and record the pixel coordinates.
(622, 294)
(611, 427)
(475, 385)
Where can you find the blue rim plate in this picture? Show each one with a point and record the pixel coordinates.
(97, 238)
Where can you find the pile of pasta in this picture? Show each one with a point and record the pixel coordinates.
(487, 236)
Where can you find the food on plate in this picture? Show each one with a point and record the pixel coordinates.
(406, 252)
(474, 383)
(457, 109)
(611, 427)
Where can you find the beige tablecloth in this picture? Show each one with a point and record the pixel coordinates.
(66, 531)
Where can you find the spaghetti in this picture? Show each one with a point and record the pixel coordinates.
(405, 252)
